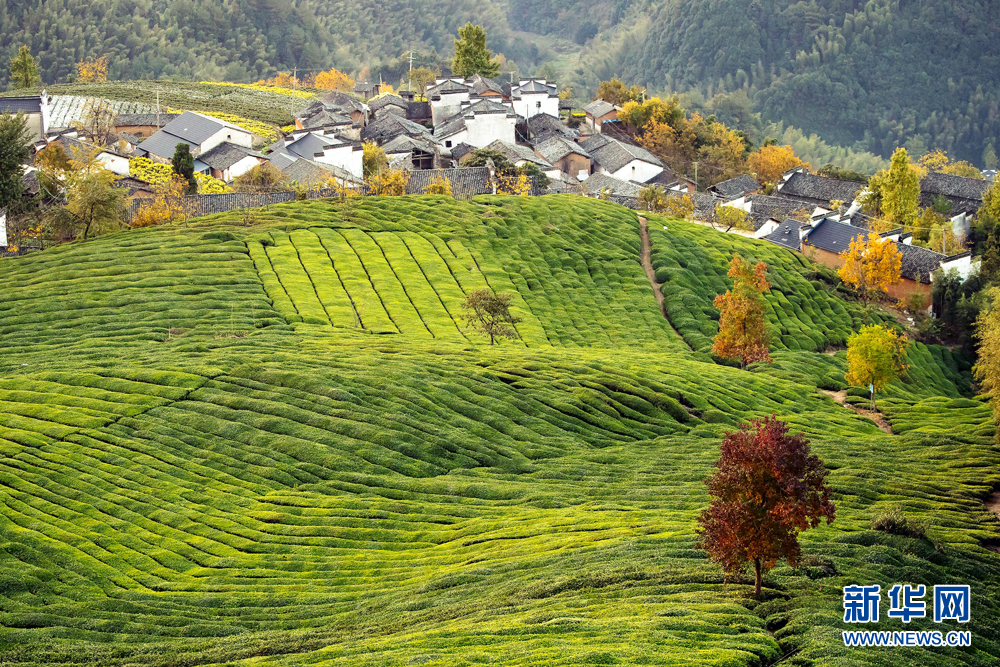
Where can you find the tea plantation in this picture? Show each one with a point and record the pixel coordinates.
(278, 444)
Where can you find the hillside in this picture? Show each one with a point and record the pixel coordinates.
(276, 445)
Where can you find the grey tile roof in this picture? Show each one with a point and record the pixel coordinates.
(71, 145)
(918, 262)
(450, 127)
(383, 101)
(65, 110)
(447, 87)
(557, 147)
(407, 144)
(25, 105)
(963, 193)
(161, 144)
(364, 87)
(736, 187)
(516, 153)
(488, 106)
(481, 85)
(465, 181)
(541, 126)
(461, 150)
(764, 208)
(326, 119)
(342, 101)
(613, 154)
(786, 235)
(310, 171)
(818, 190)
(225, 155)
(309, 145)
(195, 127)
(389, 126)
(833, 236)
(534, 86)
(598, 182)
(599, 107)
(133, 184)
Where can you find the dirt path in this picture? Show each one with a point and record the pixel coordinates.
(873, 415)
(645, 257)
(993, 503)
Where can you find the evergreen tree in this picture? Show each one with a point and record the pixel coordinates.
(471, 55)
(183, 165)
(23, 70)
(15, 151)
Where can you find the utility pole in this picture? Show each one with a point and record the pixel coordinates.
(157, 107)
(409, 83)
(696, 176)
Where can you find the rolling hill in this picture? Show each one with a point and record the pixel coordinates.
(277, 444)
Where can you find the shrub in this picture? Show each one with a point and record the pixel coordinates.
(892, 520)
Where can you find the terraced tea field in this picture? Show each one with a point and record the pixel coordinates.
(279, 445)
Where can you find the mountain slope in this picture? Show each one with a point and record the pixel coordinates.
(206, 459)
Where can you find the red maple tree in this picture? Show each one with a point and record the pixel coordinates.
(767, 490)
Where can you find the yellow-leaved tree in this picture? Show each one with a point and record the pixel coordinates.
(770, 162)
(94, 70)
(743, 331)
(871, 265)
(730, 217)
(987, 368)
(875, 357)
(333, 79)
(894, 194)
(438, 185)
(168, 204)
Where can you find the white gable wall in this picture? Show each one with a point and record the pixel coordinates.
(345, 157)
(484, 129)
(233, 136)
(115, 163)
(636, 170)
(240, 168)
(449, 105)
(532, 104)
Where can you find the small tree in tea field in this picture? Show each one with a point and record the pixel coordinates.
(987, 368)
(875, 357)
(489, 314)
(766, 490)
(742, 329)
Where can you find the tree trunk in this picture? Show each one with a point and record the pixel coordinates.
(758, 577)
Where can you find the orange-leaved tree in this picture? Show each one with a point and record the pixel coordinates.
(766, 490)
(333, 79)
(871, 265)
(770, 162)
(875, 357)
(742, 329)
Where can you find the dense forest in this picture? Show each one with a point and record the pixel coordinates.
(872, 75)
(865, 75)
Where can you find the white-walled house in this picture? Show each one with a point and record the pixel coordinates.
(201, 133)
(478, 125)
(621, 160)
(333, 151)
(534, 96)
(446, 98)
(228, 161)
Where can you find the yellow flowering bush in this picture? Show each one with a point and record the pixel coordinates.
(260, 86)
(159, 174)
(263, 130)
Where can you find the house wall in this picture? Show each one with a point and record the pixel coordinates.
(344, 157)
(964, 265)
(765, 229)
(138, 130)
(447, 106)
(238, 137)
(595, 122)
(3, 228)
(902, 290)
(236, 170)
(115, 163)
(573, 164)
(532, 104)
(456, 139)
(636, 170)
(36, 126)
(484, 129)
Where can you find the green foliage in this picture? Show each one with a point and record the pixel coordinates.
(831, 170)
(892, 520)
(471, 55)
(15, 150)
(272, 444)
(182, 164)
(23, 70)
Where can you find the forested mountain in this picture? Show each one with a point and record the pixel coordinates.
(882, 72)
(869, 75)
